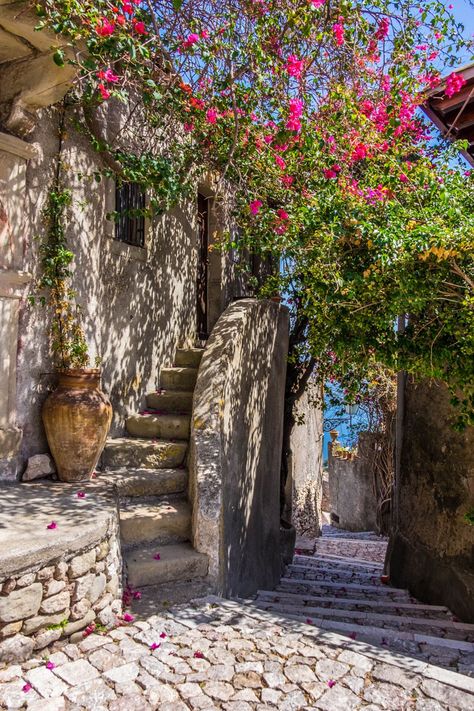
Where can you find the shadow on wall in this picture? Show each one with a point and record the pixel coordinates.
(236, 446)
(137, 304)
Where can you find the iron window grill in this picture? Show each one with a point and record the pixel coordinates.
(130, 224)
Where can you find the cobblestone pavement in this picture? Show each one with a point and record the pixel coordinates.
(220, 655)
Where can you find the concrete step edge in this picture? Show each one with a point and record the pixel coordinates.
(294, 597)
(361, 616)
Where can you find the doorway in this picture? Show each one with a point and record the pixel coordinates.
(202, 305)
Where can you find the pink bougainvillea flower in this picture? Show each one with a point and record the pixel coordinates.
(294, 66)
(287, 180)
(331, 683)
(189, 127)
(211, 115)
(50, 665)
(157, 556)
(108, 75)
(104, 92)
(190, 40)
(280, 162)
(317, 3)
(255, 206)
(282, 214)
(204, 34)
(127, 617)
(155, 645)
(454, 84)
(338, 30)
(27, 687)
(403, 179)
(163, 635)
(198, 655)
(139, 27)
(127, 7)
(137, 595)
(105, 28)
(51, 526)
(383, 28)
(89, 630)
(329, 173)
(81, 494)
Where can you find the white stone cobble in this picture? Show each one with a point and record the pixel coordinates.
(212, 658)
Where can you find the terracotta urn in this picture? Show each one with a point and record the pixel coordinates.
(77, 417)
(333, 434)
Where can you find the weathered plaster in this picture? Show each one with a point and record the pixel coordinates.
(432, 547)
(236, 446)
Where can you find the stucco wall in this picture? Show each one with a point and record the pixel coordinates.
(351, 490)
(138, 305)
(236, 446)
(305, 480)
(432, 548)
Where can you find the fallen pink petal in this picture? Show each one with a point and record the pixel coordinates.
(51, 526)
(50, 665)
(198, 655)
(331, 683)
(81, 494)
(155, 645)
(127, 617)
(26, 688)
(163, 635)
(157, 556)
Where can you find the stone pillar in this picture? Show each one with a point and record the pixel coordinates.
(432, 545)
(14, 154)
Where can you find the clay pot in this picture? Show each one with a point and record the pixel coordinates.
(77, 417)
(334, 434)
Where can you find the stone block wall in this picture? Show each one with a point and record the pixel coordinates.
(431, 550)
(59, 598)
(351, 492)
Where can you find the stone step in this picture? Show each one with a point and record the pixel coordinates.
(146, 482)
(162, 521)
(165, 426)
(143, 453)
(178, 378)
(342, 560)
(188, 357)
(170, 401)
(337, 601)
(373, 591)
(381, 635)
(322, 573)
(436, 627)
(177, 562)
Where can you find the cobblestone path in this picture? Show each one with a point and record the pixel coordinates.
(232, 655)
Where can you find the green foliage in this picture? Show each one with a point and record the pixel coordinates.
(67, 338)
(469, 517)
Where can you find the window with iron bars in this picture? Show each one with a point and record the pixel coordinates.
(130, 224)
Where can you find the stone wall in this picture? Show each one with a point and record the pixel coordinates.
(305, 467)
(351, 490)
(236, 440)
(138, 304)
(432, 548)
(59, 597)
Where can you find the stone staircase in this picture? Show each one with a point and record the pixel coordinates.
(148, 468)
(343, 591)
